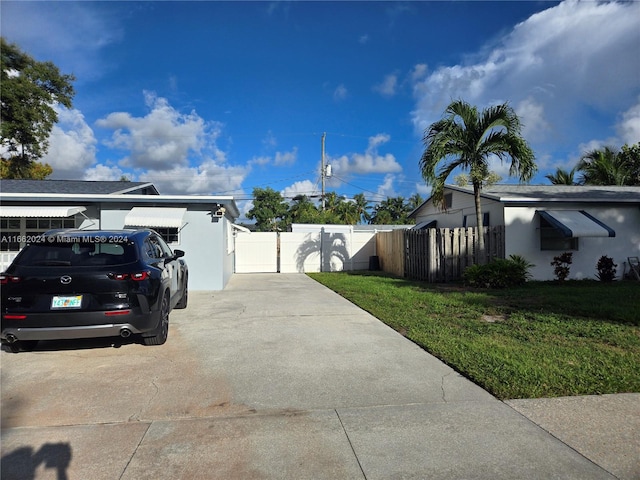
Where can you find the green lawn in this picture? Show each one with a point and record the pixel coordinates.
(542, 339)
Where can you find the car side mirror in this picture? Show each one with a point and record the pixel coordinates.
(178, 253)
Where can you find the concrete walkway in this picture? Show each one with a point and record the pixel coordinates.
(278, 377)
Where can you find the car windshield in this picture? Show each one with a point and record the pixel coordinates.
(77, 254)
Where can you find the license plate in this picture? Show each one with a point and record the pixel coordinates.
(67, 302)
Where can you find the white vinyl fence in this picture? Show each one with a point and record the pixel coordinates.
(293, 252)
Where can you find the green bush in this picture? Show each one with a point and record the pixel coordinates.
(606, 269)
(499, 273)
(562, 265)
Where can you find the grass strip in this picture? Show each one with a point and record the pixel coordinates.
(541, 339)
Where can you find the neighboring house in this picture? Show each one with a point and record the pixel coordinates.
(202, 226)
(542, 221)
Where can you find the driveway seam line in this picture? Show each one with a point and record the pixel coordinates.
(135, 450)
(364, 475)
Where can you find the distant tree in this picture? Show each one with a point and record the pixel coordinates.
(630, 157)
(362, 208)
(392, 211)
(562, 177)
(269, 210)
(303, 210)
(415, 201)
(603, 167)
(30, 90)
(464, 180)
(34, 171)
(466, 138)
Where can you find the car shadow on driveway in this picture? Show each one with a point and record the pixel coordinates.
(79, 344)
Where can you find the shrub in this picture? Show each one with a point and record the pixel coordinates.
(606, 269)
(499, 273)
(562, 264)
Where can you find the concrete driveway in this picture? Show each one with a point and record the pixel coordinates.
(275, 377)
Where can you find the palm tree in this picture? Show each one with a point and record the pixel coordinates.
(562, 177)
(603, 167)
(362, 207)
(466, 138)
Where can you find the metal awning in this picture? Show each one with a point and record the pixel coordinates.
(576, 223)
(155, 217)
(425, 225)
(240, 228)
(39, 211)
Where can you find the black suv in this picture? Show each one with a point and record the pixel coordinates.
(70, 284)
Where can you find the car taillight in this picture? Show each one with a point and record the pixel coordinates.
(4, 279)
(112, 313)
(14, 317)
(137, 276)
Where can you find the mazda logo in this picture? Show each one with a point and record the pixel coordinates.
(65, 279)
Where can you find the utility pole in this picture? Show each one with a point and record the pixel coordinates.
(322, 171)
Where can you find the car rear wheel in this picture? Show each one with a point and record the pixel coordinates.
(22, 346)
(162, 331)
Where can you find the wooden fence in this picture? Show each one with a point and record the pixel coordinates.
(436, 254)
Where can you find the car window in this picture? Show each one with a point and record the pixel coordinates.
(76, 254)
(155, 247)
(166, 250)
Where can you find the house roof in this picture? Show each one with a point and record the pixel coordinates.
(561, 193)
(132, 200)
(77, 186)
(550, 193)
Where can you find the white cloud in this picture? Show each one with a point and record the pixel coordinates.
(418, 72)
(629, 126)
(163, 138)
(270, 140)
(279, 159)
(286, 158)
(304, 187)
(387, 189)
(209, 177)
(33, 25)
(556, 65)
(363, 39)
(340, 93)
(72, 145)
(263, 160)
(531, 114)
(388, 87)
(368, 162)
(104, 173)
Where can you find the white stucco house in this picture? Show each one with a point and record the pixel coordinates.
(542, 221)
(202, 226)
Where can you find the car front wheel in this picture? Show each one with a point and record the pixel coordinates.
(162, 331)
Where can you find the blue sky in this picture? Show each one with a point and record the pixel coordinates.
(221, 97)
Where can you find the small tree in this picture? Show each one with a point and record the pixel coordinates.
(606, 269)
(562, 265)
(30, 90)
(269, 210)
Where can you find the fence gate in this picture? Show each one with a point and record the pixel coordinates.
(296, 252)
(257, 252)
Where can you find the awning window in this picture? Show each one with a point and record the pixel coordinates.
(576, 223)
(39, 211)
(155, 217)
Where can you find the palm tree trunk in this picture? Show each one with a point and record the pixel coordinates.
(476, 196)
